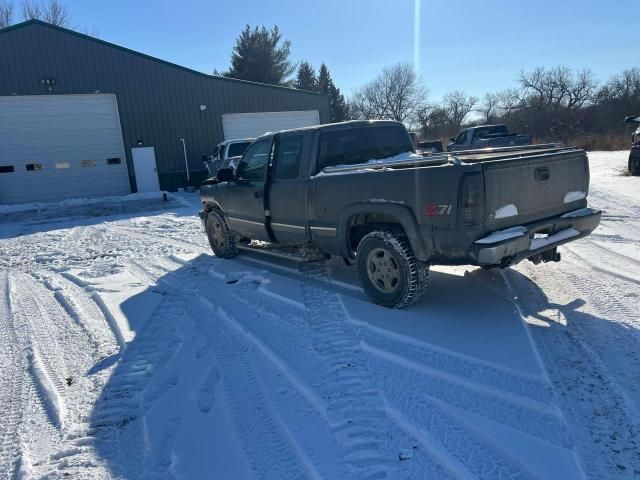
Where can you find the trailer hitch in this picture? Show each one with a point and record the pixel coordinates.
(551, 255)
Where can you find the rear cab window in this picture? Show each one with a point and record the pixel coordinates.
(287, 165)
(356, 145)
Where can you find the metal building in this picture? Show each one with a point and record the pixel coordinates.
(83, 117)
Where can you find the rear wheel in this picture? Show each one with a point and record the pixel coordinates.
(389, 272)
(222, 241)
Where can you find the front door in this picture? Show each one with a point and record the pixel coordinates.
(146, 171)
(288, 190)
(245, 195)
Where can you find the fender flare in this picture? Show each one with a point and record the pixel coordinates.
(399, 211)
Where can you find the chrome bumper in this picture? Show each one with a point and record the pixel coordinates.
(518, 243)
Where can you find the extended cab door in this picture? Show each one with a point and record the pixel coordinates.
(288, 189)
(245, 195)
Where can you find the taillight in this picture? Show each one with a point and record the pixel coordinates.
(471, 199)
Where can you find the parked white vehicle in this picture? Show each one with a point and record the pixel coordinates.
(226, 153)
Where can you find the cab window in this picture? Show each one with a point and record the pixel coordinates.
(252, 166)
(288, 158)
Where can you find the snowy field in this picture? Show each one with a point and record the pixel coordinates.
(128, 351)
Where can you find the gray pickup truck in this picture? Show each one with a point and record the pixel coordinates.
(358, 190)
(634, 155)
(487, 136)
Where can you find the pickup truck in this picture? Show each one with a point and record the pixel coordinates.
(225, 154)
(634, 155)
(487, 136)
(358, 190)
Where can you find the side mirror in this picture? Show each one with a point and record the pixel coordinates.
(452, 139)
(225, 175)
(632, 120)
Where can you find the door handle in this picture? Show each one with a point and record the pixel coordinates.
(257, 194)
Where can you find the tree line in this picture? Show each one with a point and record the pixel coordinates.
(51, 11)
(552, 104)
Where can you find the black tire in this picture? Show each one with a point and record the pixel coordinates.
(390, 274)
(222, 241)
(634, 164)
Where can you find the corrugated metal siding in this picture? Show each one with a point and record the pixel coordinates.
(159, 103)
(79, 131)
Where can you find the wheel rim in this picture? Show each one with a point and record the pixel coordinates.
(217, 232)
(383, 270)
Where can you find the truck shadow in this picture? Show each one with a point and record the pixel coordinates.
(160, 410)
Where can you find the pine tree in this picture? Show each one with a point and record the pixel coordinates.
(338, 108)
(259, 56)
(306, 78)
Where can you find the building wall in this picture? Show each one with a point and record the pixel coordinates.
(159, 103)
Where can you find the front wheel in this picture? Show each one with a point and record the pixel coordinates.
(389, 272)
(222, 241)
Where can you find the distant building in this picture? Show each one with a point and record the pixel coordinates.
(83, 117)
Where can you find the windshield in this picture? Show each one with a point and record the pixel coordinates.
(237, 149)
(359, 145)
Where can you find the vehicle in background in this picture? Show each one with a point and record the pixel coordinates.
(226, 154)
(634, 155)
(487, 136)
(359, 191)
(425, 147)
(428, 147)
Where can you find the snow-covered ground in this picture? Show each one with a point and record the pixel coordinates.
(128, 351)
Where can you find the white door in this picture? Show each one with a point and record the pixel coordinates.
(144, 166)
(252, 125)
(54, 147)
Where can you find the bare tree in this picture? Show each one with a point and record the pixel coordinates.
(51, 11)
(490, 106)
(31, 10)
(6, 13)
(458, 105)
(395, 94)
(56, 13)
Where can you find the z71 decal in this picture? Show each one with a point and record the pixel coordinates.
(432, 210)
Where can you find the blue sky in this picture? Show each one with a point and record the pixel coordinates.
(476, 46)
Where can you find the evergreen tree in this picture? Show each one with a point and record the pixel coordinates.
(339, 111)
(260, 56)
(306, 78)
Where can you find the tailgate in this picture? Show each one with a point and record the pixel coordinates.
(533, 187)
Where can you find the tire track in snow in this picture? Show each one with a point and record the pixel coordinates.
(454, 365)
(118, 417)
(13, 364)
(356, 406)
(600, 421)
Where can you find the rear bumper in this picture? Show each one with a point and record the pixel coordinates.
(518, 243)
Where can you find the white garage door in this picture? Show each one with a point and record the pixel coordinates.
(251, 125)
(54, 147)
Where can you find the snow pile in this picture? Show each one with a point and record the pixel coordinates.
(74, 202)
(401, 157)
(507, 211)
(574, 196)
(501, 235)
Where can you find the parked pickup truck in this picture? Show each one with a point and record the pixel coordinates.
(358, 190)
(225, 154)
(634, 155)
(487, 136)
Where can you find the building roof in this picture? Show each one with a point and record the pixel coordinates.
(30, 23)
